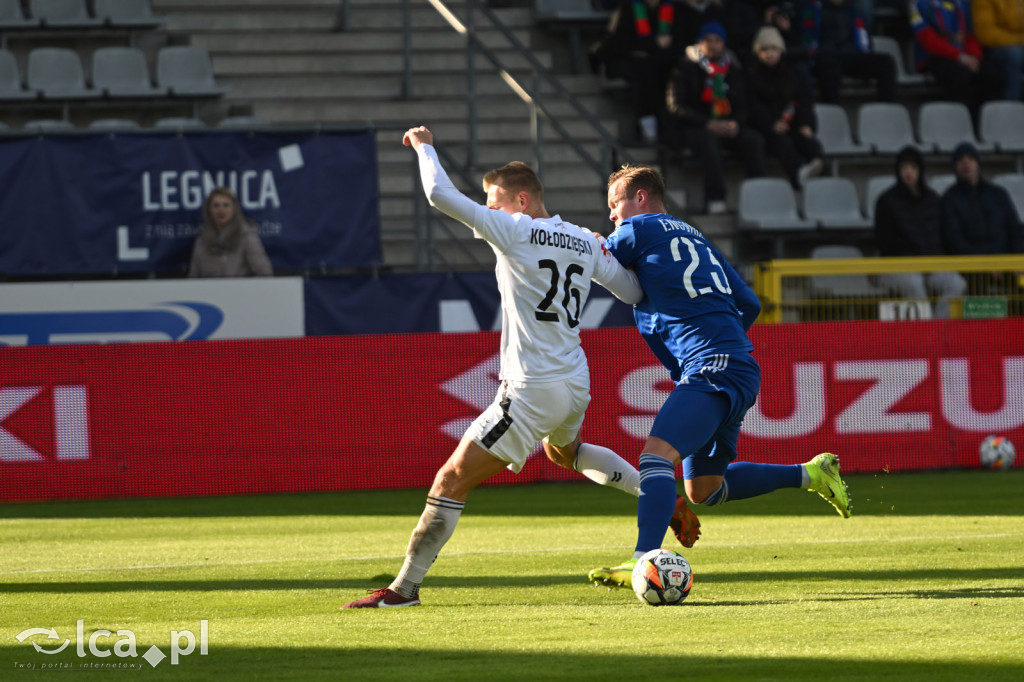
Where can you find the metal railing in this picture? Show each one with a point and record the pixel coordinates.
(539, 95)
(793, 290)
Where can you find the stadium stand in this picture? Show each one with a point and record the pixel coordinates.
(941, 182)
(1001, 124)
(833, 204)
(904, 76)
(114, 124)
(1014, 184)
(11, 88)
(122, 72)
(64, 14)
(944, 125)
(179, 123)
(57, 73)
(243, 122)
(840, 286)
(886, 127)
(127, 13)
(48, 125)
(876, 185)
(12, 16)
(187, 72)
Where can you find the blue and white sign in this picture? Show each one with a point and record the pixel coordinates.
(172, 310)
(132, 202)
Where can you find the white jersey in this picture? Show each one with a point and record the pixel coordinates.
(544, 270)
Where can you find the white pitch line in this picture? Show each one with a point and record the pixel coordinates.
(379, 557)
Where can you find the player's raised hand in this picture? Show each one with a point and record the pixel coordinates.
(414, 137)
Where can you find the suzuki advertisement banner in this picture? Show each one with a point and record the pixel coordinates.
(337, 413)
(151, 310)
(102, 204)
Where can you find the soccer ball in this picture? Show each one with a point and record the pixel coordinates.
(997, 452)
(662, 578)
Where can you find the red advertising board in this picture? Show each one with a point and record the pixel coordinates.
(335, 413)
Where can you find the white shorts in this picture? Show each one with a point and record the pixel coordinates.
(524, 413)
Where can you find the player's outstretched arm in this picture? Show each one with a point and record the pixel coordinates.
(438, 187)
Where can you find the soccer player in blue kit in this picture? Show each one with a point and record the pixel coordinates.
(694, 316)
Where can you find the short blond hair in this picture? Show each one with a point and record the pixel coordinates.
(639, 177)
(515, 177)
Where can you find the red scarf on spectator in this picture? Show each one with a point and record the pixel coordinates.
(666, 15)
(716, 92)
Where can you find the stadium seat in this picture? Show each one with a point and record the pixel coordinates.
(886, 128)
(840, 286)
(122, 72)
(127, 13)
(63, 14)
(875, 187)
(891, 47)
(243, 122)
(944, 125)
(179, 123)
(114, 124)
(187, 72)
(834, 132)
(10, 80)
(56, 73)
(833, 204)
(769, 204)
(941, 182)
(48, 125)
(1014, 184)
(767, 208)
(13, 16)
(1002, 124)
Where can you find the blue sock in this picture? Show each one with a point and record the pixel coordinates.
(657, 501)
(746, 479)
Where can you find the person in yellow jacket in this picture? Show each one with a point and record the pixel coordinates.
(999, 27)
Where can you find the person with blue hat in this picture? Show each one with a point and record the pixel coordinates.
(707, 99)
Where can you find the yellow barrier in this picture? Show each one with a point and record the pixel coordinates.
(805, 289)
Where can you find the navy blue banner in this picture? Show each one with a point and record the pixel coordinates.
(104, 203)
(436, 302)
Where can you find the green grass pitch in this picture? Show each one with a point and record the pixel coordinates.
(925, 582)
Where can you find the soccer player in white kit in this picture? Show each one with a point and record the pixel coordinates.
(544, 269)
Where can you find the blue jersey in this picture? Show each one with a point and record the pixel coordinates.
(696, 308)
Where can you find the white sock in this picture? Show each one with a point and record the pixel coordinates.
(603, 466)
(805, 478)
(437, 523)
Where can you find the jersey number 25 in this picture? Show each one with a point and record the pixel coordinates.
(721, 283)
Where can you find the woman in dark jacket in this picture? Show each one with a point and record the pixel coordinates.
(782, 108)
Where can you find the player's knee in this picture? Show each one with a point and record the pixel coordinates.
(714, 498)
(564, 456)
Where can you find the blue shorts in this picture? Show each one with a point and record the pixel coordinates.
(701, 417)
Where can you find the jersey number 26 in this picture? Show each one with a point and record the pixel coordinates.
(542, 312)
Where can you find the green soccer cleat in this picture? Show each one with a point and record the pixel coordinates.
(823, 471)
(616, 576)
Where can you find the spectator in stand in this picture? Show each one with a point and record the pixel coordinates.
(838, 44)
(945, 46)
(908, 223)
(707, 98)
(782, 108)
(644, 41)
(978, 217)
(999, 26)
(229, 245)
(743, 19)
(693, 14)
